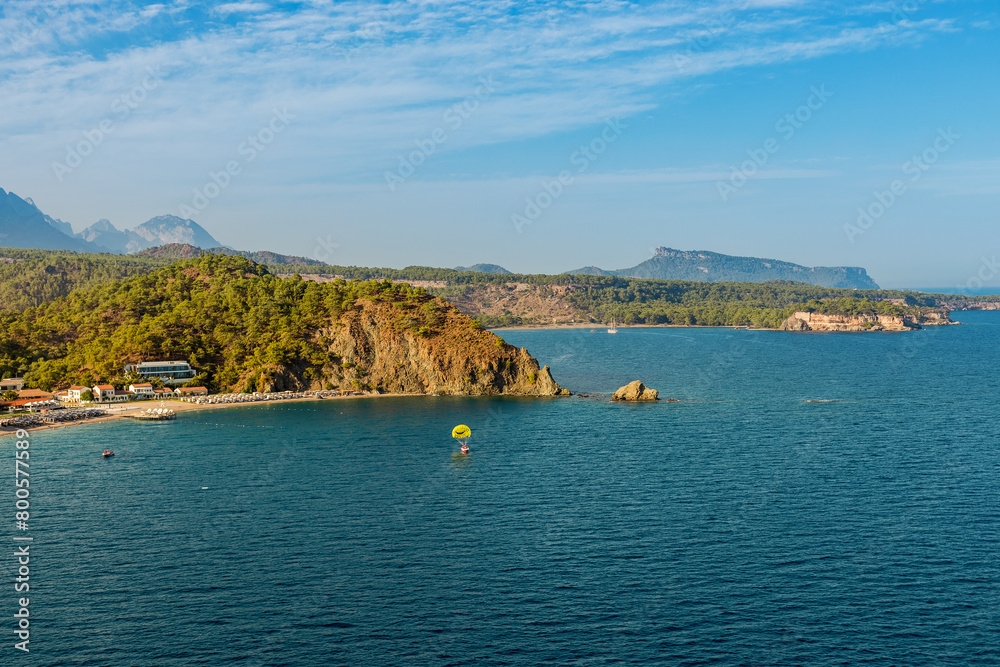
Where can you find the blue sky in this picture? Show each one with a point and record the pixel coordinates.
(436, 133)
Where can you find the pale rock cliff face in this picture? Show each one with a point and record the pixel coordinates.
(803, 321)
(371, 352)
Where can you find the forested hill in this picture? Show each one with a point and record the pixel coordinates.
(672, 302)
(32, 277)
(245, 329)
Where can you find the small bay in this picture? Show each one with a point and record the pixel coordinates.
(811, 499)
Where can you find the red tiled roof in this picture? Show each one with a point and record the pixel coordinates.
(77, 387)
(104, 387)
(143, 385)
(32, 393)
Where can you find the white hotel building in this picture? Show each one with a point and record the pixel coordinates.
(170, 372)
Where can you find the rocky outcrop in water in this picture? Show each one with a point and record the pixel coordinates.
(805, 321)
(636, 391)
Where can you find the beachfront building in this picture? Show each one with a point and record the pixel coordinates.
(75, 393)
(11, 384)
(141, 390)
(163, 393)
(192, 391)
(31, 404)
(34, 394)
(103, 392)
(170, 372)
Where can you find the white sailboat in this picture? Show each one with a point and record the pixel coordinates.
(613, 328)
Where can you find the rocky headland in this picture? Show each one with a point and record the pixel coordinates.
(245, 330)
(806, 321)
(458, 359)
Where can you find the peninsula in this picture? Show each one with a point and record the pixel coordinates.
(244, 329)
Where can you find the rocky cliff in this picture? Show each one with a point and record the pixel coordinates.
(804, 321)
(370, 351)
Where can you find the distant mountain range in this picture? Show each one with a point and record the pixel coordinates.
(23, 225)
(157, 231)
(705, 266)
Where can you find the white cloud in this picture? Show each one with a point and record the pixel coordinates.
(241, 8)
(365, 81)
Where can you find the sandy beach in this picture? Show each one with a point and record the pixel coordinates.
(184, 406)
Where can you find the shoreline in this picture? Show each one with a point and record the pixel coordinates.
(182, 406)
(598, 327)
(602, 328)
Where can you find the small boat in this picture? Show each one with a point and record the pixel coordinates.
(108, 453)
(613, 329)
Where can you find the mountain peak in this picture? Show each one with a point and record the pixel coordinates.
(166, 229)
(168, 219)
(22, 225)
(103, 225)
(158, 231)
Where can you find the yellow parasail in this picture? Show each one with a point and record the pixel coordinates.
(461, 431)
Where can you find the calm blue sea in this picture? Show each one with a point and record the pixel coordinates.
(812, 500)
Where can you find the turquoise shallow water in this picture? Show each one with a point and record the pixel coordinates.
(744, 525)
